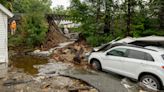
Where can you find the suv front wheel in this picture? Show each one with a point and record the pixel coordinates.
(150, 82)
(96, 64)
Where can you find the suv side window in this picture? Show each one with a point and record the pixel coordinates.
(118, 52)
(139, 55)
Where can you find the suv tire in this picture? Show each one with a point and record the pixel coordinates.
(96, 65)
(150, 81)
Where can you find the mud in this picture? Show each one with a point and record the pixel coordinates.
(27, 62)
(36, 74)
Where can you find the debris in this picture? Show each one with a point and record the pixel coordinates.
(126, 83)
(72, 53)
(77, 58)
(40, 53)
(45, 86)
(14, 82)
(36, 51)
(39, 79)
(75, 89)
(131, 87)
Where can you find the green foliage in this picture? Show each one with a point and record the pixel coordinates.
(15, 41)
(7, 4)
(93, 14)
(85, 13)
(59, 10)
(32, 6)
(34, 30)
(97, 40)
(33, 26)
(145, 19)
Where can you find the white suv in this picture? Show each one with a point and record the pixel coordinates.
(143, 64)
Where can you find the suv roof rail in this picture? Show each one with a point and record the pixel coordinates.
(131, 45)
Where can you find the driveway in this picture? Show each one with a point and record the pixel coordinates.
(104, 82)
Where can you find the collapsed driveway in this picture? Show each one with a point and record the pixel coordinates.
(104, 82)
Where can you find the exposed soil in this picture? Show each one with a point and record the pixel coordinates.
(54, 36)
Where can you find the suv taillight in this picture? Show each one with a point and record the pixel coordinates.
(163, 67)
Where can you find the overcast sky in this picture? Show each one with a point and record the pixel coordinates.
(65, 3)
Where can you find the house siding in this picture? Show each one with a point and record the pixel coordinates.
(3, 44)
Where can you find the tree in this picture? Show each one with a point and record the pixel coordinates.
(59, 10)
(128, 17)
(120, 18)
(161, 14)
(7, 3)
(107, 20)
(33, 26)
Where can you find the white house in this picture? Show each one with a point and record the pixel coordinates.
(4, 15)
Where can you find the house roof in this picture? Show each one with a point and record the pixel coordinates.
(6, 11)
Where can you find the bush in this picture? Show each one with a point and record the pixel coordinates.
(96, 40)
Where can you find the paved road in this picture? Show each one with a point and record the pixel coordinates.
(104, 82)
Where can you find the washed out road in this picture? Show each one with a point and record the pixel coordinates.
(104, 82)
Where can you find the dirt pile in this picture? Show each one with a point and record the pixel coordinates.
(54, 36)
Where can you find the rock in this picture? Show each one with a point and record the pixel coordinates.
(13, 82)
(40, 53)
(38, 66)
(142, 91)
(45, 86)
(20, 87)
(66, 51)
(51, 72)
(36, 51)
(58, 57)
(39, 79)
(52, 50)
(62, 45)
(127, 83)
(93, 90)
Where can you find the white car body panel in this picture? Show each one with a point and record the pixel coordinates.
(131, 67)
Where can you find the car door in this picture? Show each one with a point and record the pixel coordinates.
(135, 62)
(112, 60)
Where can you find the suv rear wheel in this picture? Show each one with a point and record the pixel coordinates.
(150, 82)
(96, 65)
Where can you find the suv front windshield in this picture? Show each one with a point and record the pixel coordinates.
(108, 46)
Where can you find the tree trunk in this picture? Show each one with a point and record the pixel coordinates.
(107, 20)
(128, 18)
(161, 15)
(98, 11)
